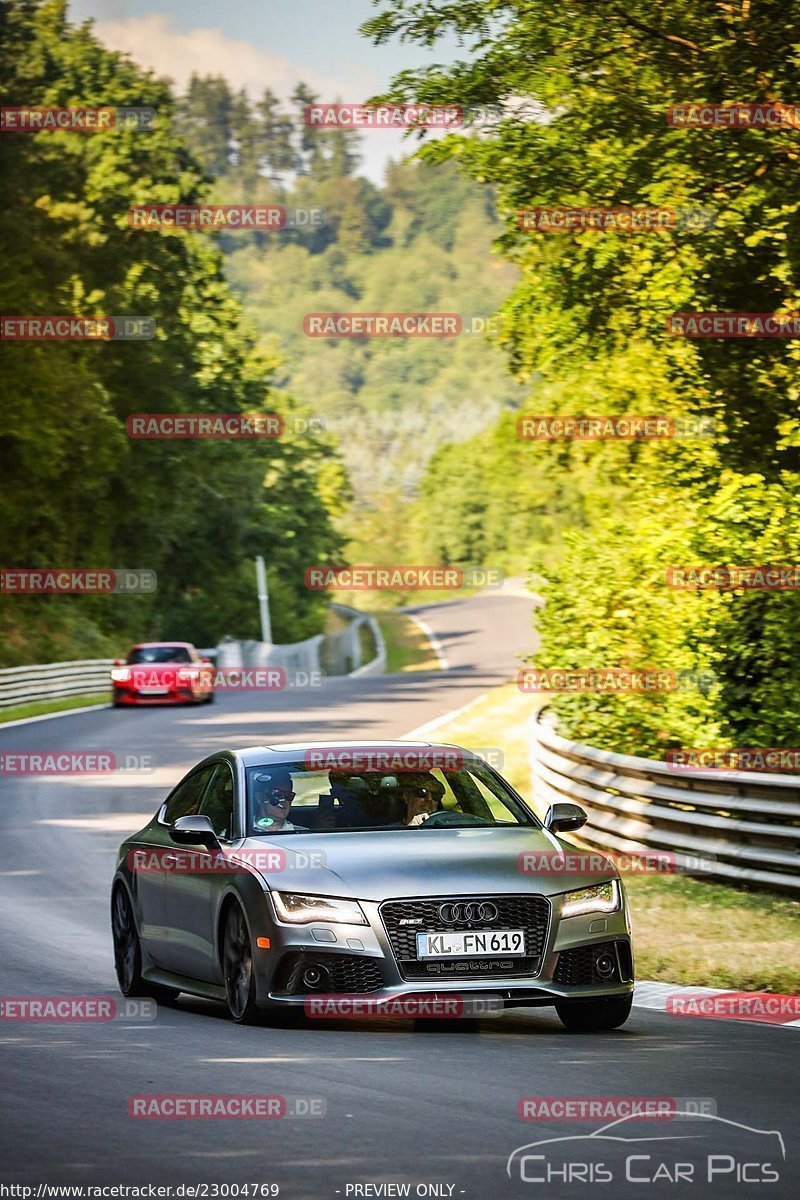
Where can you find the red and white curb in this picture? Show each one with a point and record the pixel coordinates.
(705, 1003)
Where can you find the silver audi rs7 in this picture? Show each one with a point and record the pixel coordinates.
(283, 876)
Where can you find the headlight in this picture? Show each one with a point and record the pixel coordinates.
(599, 898)
(121, 674)
(298, 910)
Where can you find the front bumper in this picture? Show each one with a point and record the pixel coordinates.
(361, 960)
(172, 695)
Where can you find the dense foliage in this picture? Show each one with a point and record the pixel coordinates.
(422, 242)
(77, 492)
(584, 89)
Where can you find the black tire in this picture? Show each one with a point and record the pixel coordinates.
(128, 953)
(210, 698)
(587, 1016)
(237, 968)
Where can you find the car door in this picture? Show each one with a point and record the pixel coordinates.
(190, 893)
(152, 872)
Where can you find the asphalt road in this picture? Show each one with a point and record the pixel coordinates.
(404, 1105)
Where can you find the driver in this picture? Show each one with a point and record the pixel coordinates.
(273, 793)
(422, 795)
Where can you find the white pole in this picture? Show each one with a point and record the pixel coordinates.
(263, 600)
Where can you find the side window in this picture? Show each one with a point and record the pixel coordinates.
(449, 799)
(482, 802)
(217, 803)
(184, 800)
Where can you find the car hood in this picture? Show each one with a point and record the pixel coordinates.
(416, 862)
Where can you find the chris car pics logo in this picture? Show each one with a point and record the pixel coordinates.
(698, 1149)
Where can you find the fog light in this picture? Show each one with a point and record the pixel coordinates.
(314, 977)
(605, 964)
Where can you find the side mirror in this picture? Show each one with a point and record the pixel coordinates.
(563, 818)
(119, 662)
(194, 831)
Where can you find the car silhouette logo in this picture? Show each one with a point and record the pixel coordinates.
(609, 1134)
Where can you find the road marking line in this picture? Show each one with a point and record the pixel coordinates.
(304, 1058)
(436, 645)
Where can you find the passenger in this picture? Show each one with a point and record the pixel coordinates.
(273, 793)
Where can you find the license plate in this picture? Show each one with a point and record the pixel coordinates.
(153, 691)
(472, 943)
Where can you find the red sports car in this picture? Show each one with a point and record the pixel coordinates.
(163, 673)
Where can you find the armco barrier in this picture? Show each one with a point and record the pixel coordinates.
(746, 824)
(339, 654)
(51, 681)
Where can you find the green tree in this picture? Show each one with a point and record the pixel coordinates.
(207, 115)
(279, 155)
(76, 490)
(583, 90)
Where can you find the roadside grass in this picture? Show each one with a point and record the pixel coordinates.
(334, 621)
(407, 647)
(367, 644)
(40, 707)
(693, 931)
(684, 930)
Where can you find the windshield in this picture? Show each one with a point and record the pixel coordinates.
(159, 654)
(290, 797)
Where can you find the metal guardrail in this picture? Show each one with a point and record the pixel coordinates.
(376, 665)
(51, 681)
(339, 653)
(743, 826)
(347, 644)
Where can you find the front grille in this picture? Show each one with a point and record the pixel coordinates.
(529, 913)
(579, 965)
(340, 973)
